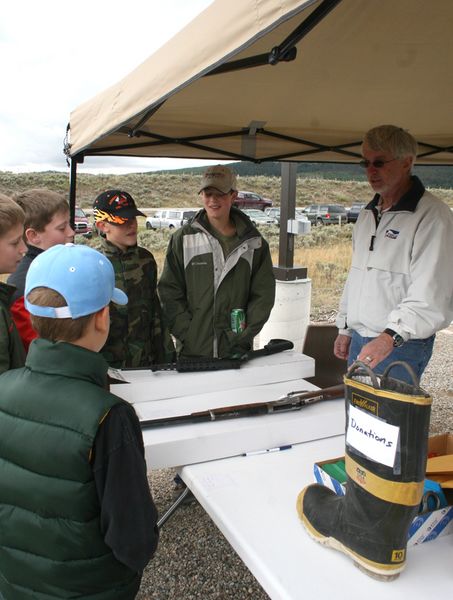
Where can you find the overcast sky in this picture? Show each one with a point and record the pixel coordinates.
(55, 54)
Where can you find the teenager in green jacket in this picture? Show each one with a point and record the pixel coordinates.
(216, 263)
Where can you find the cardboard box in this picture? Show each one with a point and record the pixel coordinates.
(425, 527)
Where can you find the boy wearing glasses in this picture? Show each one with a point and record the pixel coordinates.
(399, 290)
(216, 263)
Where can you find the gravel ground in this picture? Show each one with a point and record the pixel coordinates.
(194, 561)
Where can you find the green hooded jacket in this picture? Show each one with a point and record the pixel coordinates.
(12, 351)
(199, 287)
(138, 336)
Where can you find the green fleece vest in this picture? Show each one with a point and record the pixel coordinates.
(51, 545)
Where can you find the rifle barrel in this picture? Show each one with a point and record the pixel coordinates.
(250, 410)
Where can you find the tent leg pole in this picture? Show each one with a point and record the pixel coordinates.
(72, 190)
(285, 270)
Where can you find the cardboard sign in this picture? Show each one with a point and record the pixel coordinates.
(372, 437)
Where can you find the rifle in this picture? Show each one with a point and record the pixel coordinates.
(187, 365)
(290, 402)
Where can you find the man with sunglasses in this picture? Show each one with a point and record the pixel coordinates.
(399, 290)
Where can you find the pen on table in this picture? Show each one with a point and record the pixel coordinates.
(277, 449)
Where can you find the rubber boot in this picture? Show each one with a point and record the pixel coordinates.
(370, 523)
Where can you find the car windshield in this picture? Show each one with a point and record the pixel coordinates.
(255, 212)
(79, 212)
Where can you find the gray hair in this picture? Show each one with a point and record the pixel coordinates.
(388, 138)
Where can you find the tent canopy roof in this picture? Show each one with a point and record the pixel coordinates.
(362, 64)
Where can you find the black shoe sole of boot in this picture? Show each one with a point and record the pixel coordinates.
(374, 570)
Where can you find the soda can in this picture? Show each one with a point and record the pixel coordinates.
(238, 323)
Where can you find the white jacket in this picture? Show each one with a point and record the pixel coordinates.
(405, 282)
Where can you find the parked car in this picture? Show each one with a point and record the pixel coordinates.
(275, 213)
(170, 218)
(258, 217)
(251, 200)
(353, 212)
(326, 214)
(81, 223)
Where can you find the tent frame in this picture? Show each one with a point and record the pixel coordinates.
(286, 51)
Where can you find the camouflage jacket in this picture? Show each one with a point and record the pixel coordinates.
(137, 335)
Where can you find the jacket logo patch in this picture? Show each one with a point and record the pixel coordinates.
(392, 234)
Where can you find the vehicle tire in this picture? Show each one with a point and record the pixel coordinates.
(149, 226)
(319, 222)
(171, 227)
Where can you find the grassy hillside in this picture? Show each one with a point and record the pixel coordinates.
(157, 190)
(433, 176)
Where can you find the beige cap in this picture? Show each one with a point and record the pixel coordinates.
(219, 177)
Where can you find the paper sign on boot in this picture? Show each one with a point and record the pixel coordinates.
(372, 437)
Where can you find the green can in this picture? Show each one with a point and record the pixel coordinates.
(238, 322)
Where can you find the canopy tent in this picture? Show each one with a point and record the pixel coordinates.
(283, 80)
(287, 80)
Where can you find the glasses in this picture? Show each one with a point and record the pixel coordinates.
(377, 164)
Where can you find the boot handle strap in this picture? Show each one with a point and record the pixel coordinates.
(368, 371)
(409, 369)
(358, 364)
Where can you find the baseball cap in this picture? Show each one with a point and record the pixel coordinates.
(115, 206)
(219, 177)
(83, 276)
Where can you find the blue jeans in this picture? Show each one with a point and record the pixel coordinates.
(414, 352)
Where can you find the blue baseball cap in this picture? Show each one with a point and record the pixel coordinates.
(83, 276)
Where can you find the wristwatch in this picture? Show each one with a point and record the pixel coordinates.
(397, 339)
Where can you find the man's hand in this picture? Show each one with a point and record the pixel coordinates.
(341, 346)
(377, 350)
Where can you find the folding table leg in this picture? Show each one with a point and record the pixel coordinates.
(164, 518)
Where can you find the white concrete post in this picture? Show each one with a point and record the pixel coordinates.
(291, 314)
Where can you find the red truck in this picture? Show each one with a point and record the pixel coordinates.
(251, 200)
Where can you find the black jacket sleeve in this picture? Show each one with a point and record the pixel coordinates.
(128, 514)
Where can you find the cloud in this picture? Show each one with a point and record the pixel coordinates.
(58, 55)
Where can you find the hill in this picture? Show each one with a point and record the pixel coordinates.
(438, 176)
(167, 189)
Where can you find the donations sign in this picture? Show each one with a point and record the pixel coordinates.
(371, 436)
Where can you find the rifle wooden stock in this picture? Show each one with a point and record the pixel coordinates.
(290, 402)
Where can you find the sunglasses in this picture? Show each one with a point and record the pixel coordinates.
(377, 164)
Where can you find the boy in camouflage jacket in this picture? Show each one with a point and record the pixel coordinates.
(138, 337)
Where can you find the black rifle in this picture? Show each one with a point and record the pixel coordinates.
(187, 365)
(290, 402)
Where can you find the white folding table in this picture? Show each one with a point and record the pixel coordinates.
(252, 498)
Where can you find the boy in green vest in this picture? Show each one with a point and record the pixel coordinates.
(77, 519)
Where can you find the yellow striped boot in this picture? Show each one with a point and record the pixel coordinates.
(387, 425)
